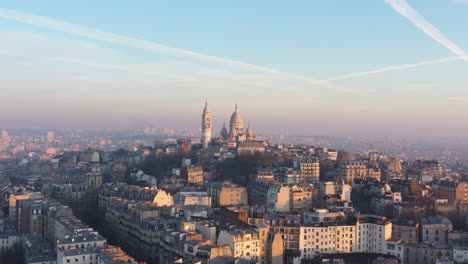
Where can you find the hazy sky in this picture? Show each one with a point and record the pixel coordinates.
(389, 67)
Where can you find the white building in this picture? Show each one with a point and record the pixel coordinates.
(77, 255)
(326, 239)
(372, 233)
(395, 247)
(244, 244)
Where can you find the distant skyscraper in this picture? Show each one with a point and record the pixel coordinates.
(5, 136)
(149, 130)
(206, 126)
(50, 136)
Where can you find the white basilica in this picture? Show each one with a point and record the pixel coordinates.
(236, 133)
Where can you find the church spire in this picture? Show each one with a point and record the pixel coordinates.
(207, 108)
(206, 126)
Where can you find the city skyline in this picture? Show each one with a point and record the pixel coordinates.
(399, 73)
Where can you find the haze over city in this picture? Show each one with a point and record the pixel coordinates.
(234, 132)
(393, 68)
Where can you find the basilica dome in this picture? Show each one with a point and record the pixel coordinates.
(236, 118)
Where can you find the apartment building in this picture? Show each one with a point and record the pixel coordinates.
(326, 239)
(309, 168)
(435, 229)
(372, 232)
(244, 244)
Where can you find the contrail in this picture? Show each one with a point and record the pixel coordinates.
(404, 9)
(394, 68)
(185, 54)
(137, 43)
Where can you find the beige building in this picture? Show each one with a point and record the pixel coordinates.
(163, 199)
(226, 194)
(192, 198)
(300, 197)
(262, 231)
(13, 202)
(275, 249)
(350, 169)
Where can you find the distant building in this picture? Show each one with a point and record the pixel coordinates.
(183, 145)
(5, 136)
(50, 136)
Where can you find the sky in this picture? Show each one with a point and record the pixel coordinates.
(343, 68)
